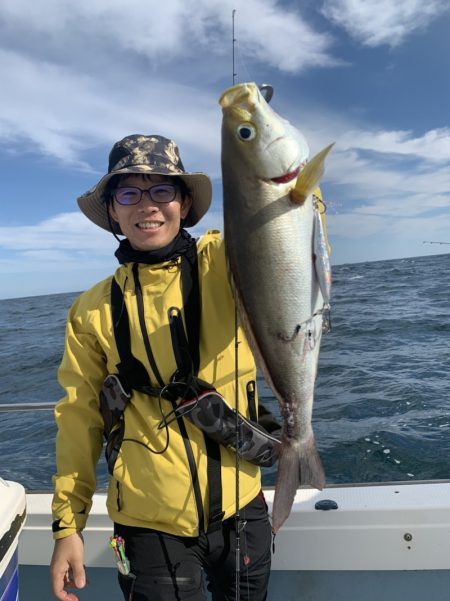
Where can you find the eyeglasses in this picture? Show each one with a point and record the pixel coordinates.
(162, 193)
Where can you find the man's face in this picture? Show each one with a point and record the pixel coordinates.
(149, 225)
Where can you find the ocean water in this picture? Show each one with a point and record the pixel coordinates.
(382, 402)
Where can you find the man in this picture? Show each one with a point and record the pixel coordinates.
(159, 335)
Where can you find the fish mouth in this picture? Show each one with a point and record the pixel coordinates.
(287, 177)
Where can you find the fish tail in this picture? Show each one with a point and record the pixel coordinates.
(311, 470)
(298, 465)
(286, 486)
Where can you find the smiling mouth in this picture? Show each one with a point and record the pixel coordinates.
(149, 225)
(287, 177)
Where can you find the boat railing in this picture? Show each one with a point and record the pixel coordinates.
(6, 407)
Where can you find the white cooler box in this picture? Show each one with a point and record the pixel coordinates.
(12, 519)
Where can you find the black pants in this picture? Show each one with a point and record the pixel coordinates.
(170, 568)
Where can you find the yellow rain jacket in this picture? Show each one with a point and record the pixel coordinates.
(147, 489)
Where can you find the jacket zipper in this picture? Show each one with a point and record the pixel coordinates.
(187, 443)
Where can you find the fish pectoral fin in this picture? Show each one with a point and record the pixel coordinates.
(309, 177)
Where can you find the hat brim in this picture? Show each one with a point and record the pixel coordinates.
(93, 202)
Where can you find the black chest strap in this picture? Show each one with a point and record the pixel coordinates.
(186, 348)
(186, 337)
(191, 301)
(132, 372)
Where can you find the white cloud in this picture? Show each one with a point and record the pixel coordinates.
(376, 175)
(368, 199)
(380, 182)
(63, 232)
(69, 112)
(79, 75)
(68, 241)
(275, 35)
(434, 145)
(361, 233)
(265, 29)
(371, 166)
(375, 22)
(38, 109)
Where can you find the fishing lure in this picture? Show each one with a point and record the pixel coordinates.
(117, 545)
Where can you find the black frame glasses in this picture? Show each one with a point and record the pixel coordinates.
(132, 195)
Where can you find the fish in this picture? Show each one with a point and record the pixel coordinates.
(277, 254)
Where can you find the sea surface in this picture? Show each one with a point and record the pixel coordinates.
(382, 402)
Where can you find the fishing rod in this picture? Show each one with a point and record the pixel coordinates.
(433, 242)
(233, 43)
(267, 93)
(237, 518)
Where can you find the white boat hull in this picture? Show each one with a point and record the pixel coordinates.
(382, 542)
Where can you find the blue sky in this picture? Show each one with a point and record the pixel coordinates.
(369, 75)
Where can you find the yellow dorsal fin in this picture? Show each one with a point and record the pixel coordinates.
(309, 176)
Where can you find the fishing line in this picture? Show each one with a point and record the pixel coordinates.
(238, 444)
(242, 63)
(238, 55)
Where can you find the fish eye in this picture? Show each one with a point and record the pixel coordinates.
(246, 132)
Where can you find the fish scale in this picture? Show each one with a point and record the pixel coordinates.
(269, 239)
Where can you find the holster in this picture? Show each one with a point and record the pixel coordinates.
(210, 412)
(204, 407)
(113, 400)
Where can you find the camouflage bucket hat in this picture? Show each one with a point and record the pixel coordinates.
(147, 155)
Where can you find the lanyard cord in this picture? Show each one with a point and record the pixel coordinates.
(238, 445)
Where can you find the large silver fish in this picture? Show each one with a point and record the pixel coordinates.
(278, 259)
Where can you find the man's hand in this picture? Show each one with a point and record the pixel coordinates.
(67, 567)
